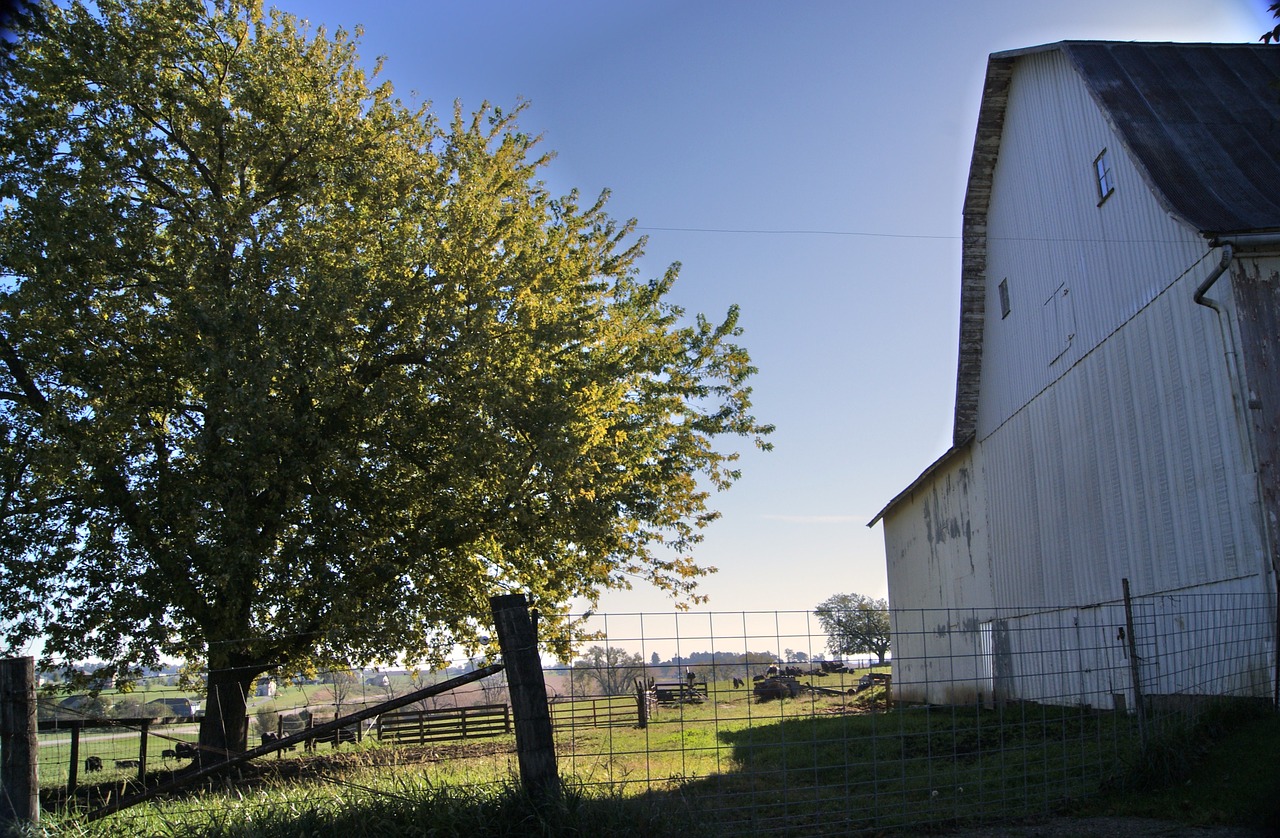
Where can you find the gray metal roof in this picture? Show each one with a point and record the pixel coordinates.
(1203, 120)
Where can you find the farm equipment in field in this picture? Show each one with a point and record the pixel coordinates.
(777, 686)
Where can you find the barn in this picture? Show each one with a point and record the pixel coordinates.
(1117, 413)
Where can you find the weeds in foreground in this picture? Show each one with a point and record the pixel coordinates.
(403, 806)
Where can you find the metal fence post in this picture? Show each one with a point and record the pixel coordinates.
(1135, 671)
(535, 742)
(19, 743)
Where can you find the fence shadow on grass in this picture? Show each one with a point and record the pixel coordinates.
(910, 766)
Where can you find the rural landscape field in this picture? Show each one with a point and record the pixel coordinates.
(829, 762)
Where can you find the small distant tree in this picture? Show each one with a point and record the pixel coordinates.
(855, 624)
(342, 682)
(419, 678)
(614, 670)
(494, 688)
(267, 717)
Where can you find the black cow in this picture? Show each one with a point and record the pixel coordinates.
(93, 764)
(185, 750)
(270, 737)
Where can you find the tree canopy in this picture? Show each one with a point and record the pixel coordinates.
(294, 374)
(855, 624)
(610, 669)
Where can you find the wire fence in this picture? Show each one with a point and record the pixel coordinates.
(747, 721)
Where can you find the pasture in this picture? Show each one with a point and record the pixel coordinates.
(825, 763)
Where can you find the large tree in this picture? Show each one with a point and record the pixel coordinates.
(294, 375)
(610, 668)
(855, 624)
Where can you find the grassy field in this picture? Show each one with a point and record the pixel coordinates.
(816, 764)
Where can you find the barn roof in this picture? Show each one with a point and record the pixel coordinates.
(1200, 121)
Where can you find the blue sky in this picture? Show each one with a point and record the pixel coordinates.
(806, 161)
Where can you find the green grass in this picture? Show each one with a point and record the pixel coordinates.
(1219, 771)
(812, 765)
(109, 745)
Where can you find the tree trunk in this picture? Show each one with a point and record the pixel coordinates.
(225, 728)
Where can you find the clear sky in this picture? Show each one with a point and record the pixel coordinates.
(805, 160)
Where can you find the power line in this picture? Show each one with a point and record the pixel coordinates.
(926, 236)
(795, 232)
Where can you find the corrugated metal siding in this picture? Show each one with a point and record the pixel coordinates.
(1211, 641)
(1122, 469)
(1120, 457)
(1117, 459)
(1046, 231)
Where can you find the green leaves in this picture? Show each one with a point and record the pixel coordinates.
(291, 373)
(855, 624)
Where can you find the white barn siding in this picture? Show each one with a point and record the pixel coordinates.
(1106, 445)
(1104, 462)
(1108, 427)
(1046, 232)
(950, 592)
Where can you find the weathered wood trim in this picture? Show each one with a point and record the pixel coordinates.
(1256, 287)
(973, 267)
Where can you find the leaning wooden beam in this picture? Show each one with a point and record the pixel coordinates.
(290, 741)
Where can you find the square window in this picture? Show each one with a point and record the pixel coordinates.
(1106, 180)
(1004, 298)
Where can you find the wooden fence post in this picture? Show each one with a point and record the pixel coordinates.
(74, 769)
(642, 703)
(19, 744)
(535, 742)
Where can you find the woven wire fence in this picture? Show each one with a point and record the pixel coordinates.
(747, 721)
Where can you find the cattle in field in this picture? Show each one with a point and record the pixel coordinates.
(93, 764)
(337, 737)
(271, 737)
(185, 750)
(168, 753)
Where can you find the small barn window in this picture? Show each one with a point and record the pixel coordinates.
(1004, 298)
(1106, 180)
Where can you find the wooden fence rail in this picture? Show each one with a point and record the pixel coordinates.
(420, 727)
(596, 711)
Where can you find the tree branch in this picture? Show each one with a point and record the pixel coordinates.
(18, 369)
